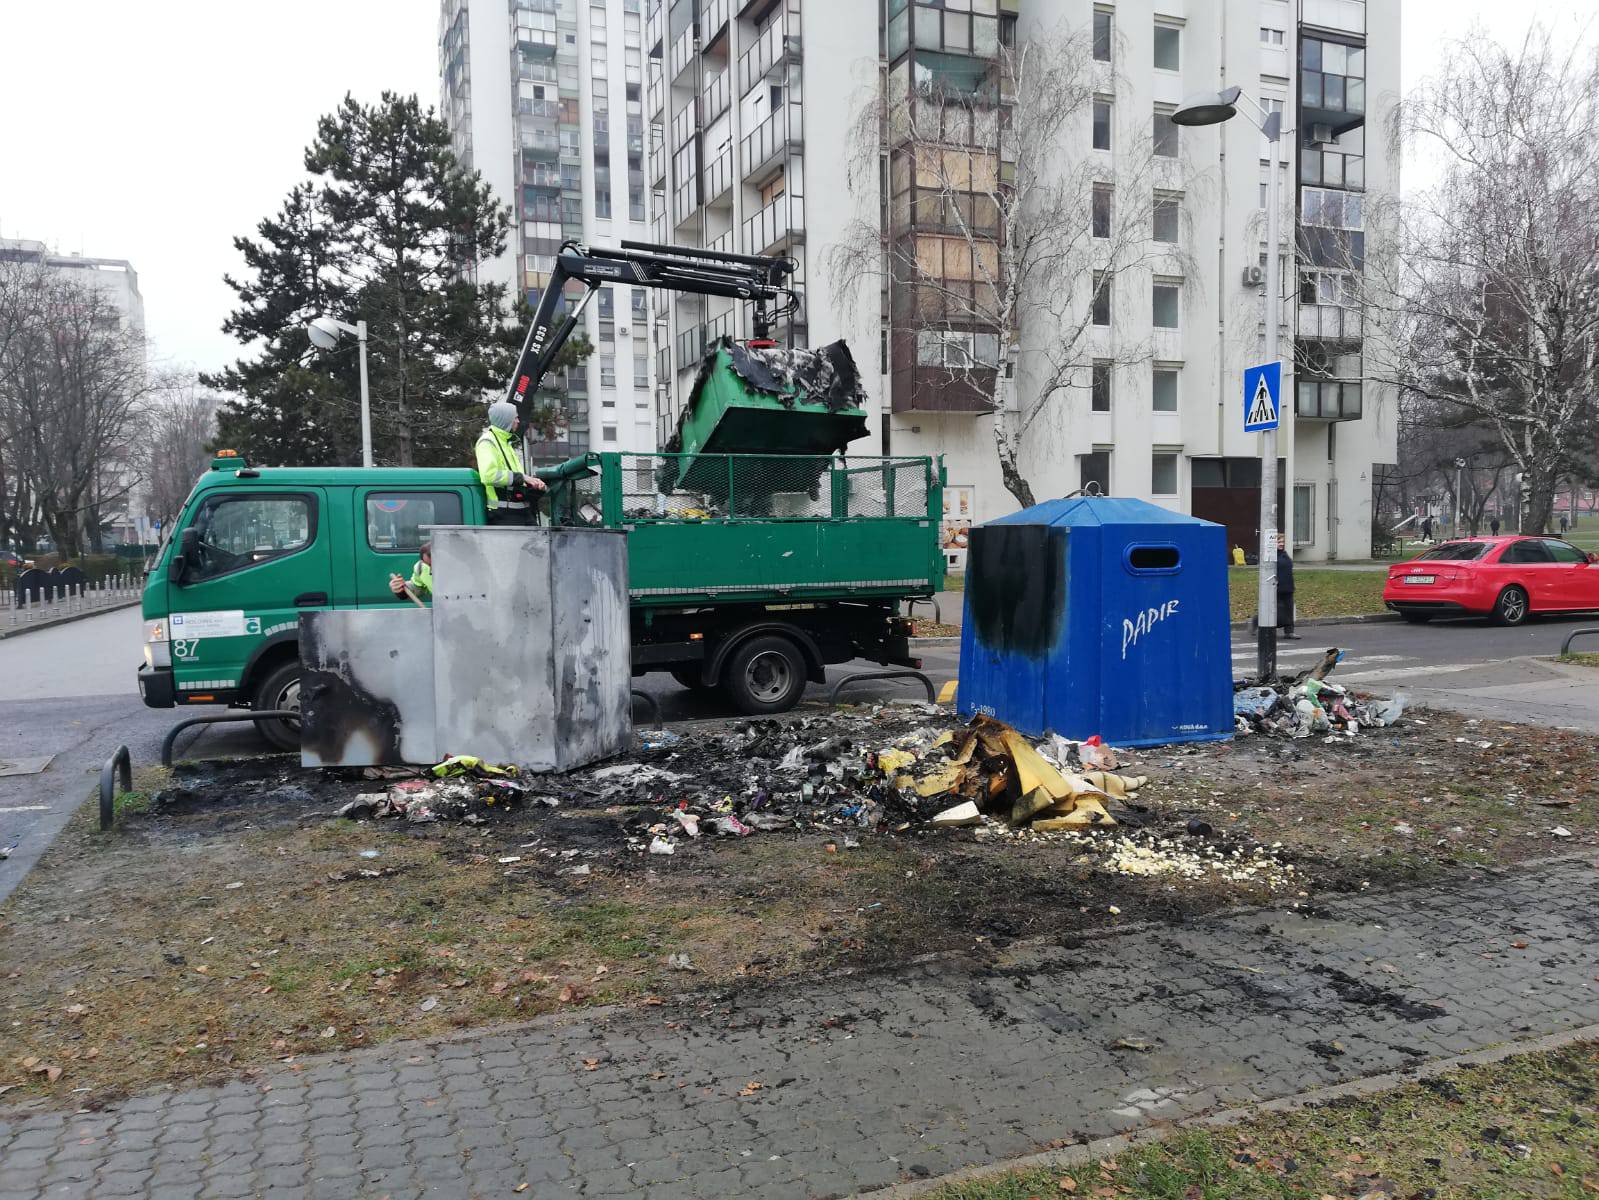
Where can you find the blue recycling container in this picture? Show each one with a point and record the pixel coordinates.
(1096, 615)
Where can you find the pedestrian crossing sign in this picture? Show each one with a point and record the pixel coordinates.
(1263, 388)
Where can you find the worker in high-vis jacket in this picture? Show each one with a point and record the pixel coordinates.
(511, 495)
(420, 584)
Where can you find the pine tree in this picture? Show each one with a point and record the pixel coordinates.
(389, 229)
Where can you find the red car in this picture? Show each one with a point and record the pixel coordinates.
(1506, 578)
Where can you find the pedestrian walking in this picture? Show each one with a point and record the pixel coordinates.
(1493, 526)
(1285, 592)
(1565, 524)
(1426, 528)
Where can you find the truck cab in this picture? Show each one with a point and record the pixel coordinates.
(254, 548)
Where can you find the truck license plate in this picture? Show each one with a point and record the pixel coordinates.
(1419, 578)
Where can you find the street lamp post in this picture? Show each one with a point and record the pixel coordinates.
(1213, 110)
(324, 334)
(1460, 486)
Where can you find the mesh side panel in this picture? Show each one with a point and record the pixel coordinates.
(780, 486)
(577, 502)
(768, 487)
(890, 487)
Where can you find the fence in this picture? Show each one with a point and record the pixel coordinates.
(41, 596)
(668, 487)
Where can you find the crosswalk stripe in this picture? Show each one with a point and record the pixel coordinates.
(1404, 672)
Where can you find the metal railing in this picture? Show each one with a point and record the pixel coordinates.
(51, 601)
(713, 16)
(783, 220)
(769, 138)
(717, 177)
(772, 47)
(717, 97)
(771, 487)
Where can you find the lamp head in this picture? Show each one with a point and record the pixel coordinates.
(1208, 108)
(323, 332)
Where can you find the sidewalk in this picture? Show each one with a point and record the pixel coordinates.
(855, 1083)
(42, 618)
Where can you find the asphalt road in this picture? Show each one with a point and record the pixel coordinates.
(74, 698)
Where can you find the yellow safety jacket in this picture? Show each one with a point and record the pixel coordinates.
(422, 580)
(498, 463)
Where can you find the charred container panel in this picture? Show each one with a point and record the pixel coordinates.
(531, 645)
(366, 687)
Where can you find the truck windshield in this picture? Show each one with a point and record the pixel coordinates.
(1455, 552)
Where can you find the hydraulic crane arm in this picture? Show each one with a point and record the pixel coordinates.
(760, 280)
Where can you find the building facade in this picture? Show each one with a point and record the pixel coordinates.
(546, 99)
(754, 113)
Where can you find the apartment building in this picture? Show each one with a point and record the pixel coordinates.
(546, 99)
(754, 108)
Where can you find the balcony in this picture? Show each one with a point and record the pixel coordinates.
(1330, 323)
(772, 49)
(1328, 399)
(693, 343)
(765, 147)
(717, 98)
(722, 244)
(684, 52)
(657, 165)
(714, 15)
(717, 179)
(780, 223)
(685, 125)
(654, 29)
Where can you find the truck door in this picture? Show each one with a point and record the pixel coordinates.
(389, 528)
(262, 558)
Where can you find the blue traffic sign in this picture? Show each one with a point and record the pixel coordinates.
(1263, 392)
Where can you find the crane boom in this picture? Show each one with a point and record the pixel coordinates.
(758, 279)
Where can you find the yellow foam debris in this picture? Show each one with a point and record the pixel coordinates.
(1033, 770)
(946, 694)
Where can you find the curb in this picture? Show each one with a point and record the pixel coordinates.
(934, 643)
(1313, 622)
(11, 631)
(1362, 1088)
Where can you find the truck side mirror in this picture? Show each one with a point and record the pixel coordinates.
(188, 552)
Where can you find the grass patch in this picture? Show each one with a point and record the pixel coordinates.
(955, 583)
(1581, 660)
(1525, 1127)
(1318, 593)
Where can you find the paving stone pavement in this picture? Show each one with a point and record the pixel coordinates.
(865, 1081)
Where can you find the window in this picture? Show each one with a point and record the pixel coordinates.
(1101, 124)
(641, 372)
(1094, 469)
(608, 434)
(1102, 210)
(244, 531)
(1102, 36)
(1168, 48)
(1332, 210)
(1163, 474)
(1564, 552)
(1167, 305)
(1099, 388)
(1168, 217)
(607, 370)
(394, 520)
(1101, 301)
(1163, 389)
(1168, 141)
(1529, 551)
(1270, 36)
(1304, 513)
(1333, 76)
(1456, 552)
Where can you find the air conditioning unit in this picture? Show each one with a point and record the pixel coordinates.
(1254, 276)
(621, 331)
(1321, 134)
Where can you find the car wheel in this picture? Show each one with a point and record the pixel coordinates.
(691, 678)
(1511, 607)
(766, 675)
(280, 689)
(1416, 618)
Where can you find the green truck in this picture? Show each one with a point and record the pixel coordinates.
(757, 553)
(752, 575)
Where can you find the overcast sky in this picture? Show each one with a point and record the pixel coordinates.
(158, 130)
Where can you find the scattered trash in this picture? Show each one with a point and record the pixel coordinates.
(960, 814)
(465, 764)
(1138, 1044)
(1560, 831)
(680, 962)
(429, 1004)
(1311, 705)
(370, 853)
(235, 885)
(580, 869)
(658, 739)
(662, 846)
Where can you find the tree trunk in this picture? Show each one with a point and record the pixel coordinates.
(1009, 469)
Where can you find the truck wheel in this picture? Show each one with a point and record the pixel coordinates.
(765, 675)
(691, 678)
(280, 689)
(1511, 607)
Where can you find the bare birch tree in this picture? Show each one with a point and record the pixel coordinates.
(1003, 238)
(1491, 301)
